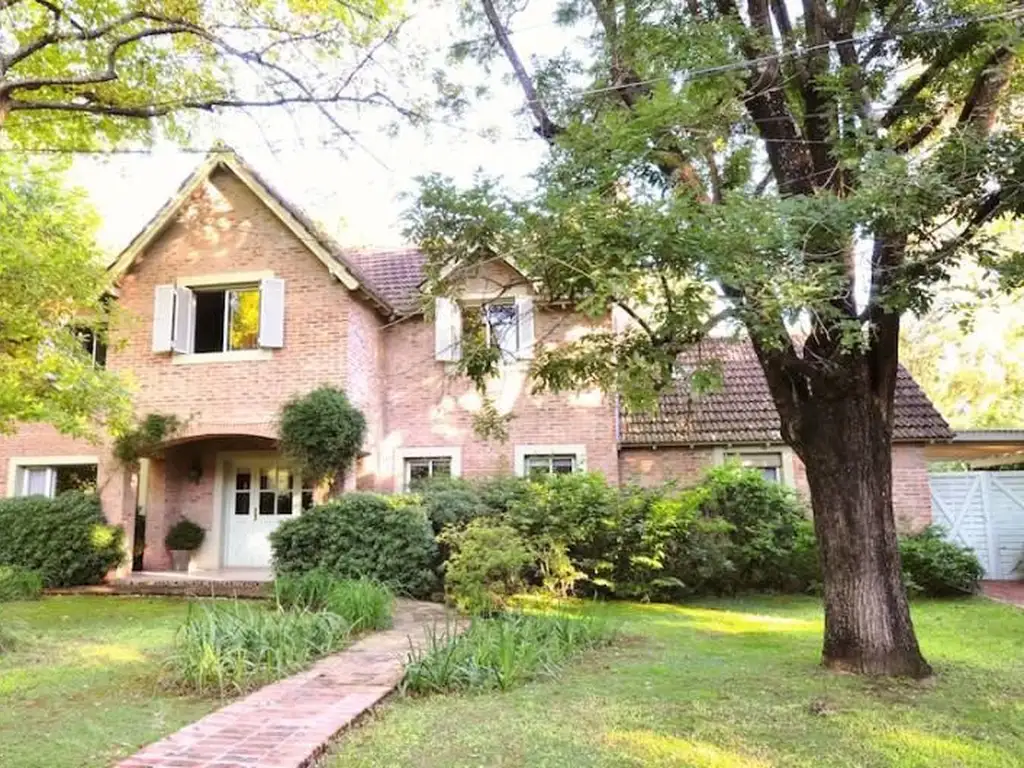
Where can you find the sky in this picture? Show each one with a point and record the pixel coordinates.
(355, 190)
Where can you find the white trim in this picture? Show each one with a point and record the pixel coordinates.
(17, 462)
(452, 452)
(784, 451)
(234, 356)
(579, 450)
(225, 279)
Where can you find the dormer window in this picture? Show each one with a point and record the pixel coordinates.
(508, 324)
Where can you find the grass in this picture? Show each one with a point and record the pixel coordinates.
(729, 684)
(80, 688)
(363, 603)
(502, 652)
(17, 583)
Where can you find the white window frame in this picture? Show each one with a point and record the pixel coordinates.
(510, 301)
(578, 450)
(726, 453)
(402, 455)
(16, 476)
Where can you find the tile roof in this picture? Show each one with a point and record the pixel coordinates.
(394, 273)
(742, 411)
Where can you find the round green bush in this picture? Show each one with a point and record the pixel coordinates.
(321, 432)
(185, 535)
(935, 567)
(66, 540)
(361, 535)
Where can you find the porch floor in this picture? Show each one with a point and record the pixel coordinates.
(261, 575)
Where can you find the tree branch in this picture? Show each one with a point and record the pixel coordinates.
(546, 127)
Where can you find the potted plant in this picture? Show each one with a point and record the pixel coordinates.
(184, 538)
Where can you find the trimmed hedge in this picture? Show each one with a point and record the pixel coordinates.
(361, 535)
(66, 540)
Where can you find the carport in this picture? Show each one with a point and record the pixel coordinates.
(982, 507)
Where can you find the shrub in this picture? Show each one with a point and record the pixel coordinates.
(361, 535)
(500, 652)
(66, 539)
(228, 648)
(185, 535)
(321, 432)
(364, 604)
(451, 502)
(17, 583)
(486, 567)
(936, 567)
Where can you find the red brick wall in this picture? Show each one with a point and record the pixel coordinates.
(426, 406)
(649, 466)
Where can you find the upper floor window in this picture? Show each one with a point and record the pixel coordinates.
(94, 345)
(205, 319)
(508, 323)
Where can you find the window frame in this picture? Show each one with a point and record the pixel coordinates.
(228, 291)
(507, 356)
(725, 454)
(410, 461)
(400, 472)
(577, 450)
(17, 465)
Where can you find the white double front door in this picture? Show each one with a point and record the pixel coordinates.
(260, 494)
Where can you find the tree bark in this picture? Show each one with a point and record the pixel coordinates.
(846, 445)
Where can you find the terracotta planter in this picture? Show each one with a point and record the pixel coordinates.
(180, 559)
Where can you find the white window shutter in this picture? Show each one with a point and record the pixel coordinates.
(163, 318)
(272, 313)
(525, 315)
(447, 330)
(184, 319)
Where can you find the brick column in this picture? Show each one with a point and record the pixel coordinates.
(117, 498)
(156, 557)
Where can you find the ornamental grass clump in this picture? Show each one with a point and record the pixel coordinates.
(228, 648)
(363, 603)
(500, 652)
(17, 583)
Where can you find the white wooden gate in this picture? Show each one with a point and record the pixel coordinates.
(983, 511)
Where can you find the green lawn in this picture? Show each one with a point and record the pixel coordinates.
(730, 684)
(83, 689)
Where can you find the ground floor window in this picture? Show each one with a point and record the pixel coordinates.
(769, 464)
(551, 464)
(54, 479)
(423, 469)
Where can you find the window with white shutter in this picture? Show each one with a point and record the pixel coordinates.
(271, 333)
(184, 320)
(163, 318)
(525, 315)
(447, 330)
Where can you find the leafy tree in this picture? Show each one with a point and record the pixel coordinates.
(51, 288)
(969, 358)
(85, 72)
(807, 172)
(322, 433)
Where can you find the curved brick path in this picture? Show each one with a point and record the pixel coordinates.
(286, 724)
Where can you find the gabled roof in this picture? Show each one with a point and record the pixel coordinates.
(319, 243)
(742, 411)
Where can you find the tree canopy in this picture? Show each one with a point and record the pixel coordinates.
(52, 288)
(807, 171)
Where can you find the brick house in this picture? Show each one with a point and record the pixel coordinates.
(231, 301)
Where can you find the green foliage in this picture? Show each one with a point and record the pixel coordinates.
(185, 535)
(935, 567)
(51, 282)
(486, 567)
(451, 502)
(361, 535)
(229, 648)
(364, 604)
(501, 652)
(66, 540)
(321, 432)
(17, 583)
(145, 437)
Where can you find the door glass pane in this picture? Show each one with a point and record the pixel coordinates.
(285, 481)
(241, 502)
(243, 480)
(265, 479)
(243, 318)
(267, 499)
(307, 500)
(284, 503)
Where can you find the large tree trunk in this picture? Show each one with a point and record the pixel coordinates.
(847, 448)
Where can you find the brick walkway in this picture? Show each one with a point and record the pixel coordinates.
(286, 724)
(1004, 591)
